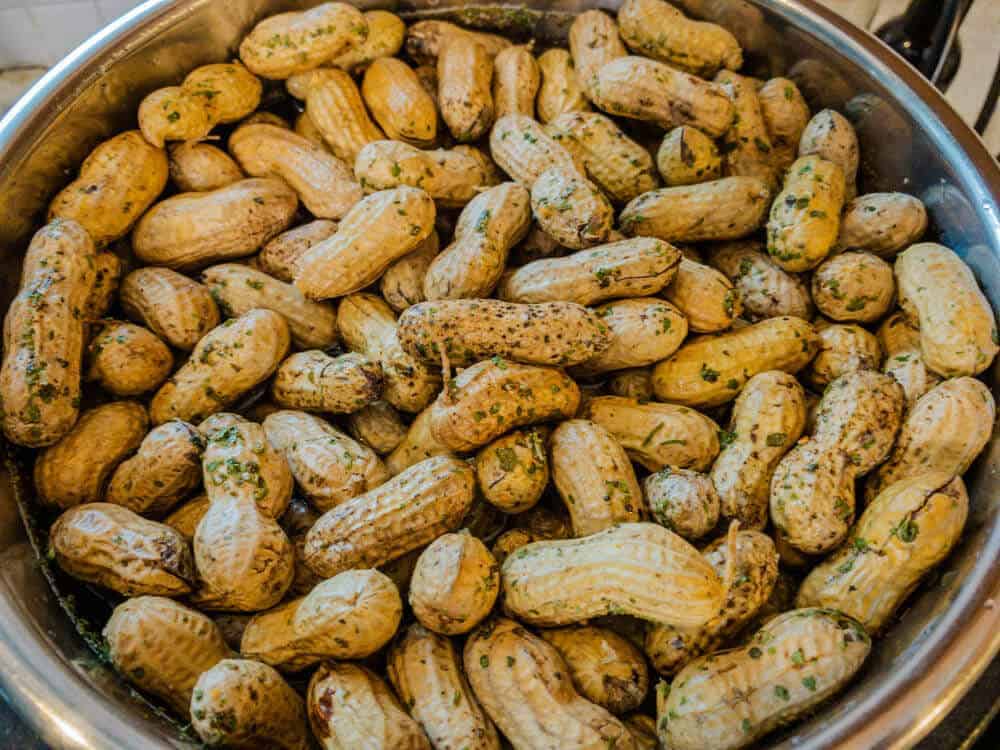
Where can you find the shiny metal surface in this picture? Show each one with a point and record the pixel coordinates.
(911, 140)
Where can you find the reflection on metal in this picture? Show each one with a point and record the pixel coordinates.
(911, 140)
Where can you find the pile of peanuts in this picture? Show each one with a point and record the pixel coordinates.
(286, 383)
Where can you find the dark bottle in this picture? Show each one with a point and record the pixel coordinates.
(926, 31)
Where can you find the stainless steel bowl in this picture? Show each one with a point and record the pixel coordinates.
(911, 140)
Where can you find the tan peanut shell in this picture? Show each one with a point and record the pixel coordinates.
(570, 208)
(279, 256)
(619, 166)
(767, 420)
(746, 146)
(944, 432)
(900, 342)
(418, 444)
(368, 326)
(240, 462)
(938, 292)
(812, 489)
(192, 230)
(765, 288)
(162, 647)
(854, 286)
(200, 167)
(243, 703)
(377, 425)
(238, 289)
(642, 89)
(636, 267)
(399, 103)
(454, 585)
(642, 330)
(244, 560)
(402, 284)
(805, 217)
(424, 40)
(711, 370)
(230, 92)
(793, 663)
(756, 570)
(687, 156)
(658, 30)
(166, 467)
(376, 231)
(559, 90)
(593, 42)
(682, 500)
(288, 43)
(465, 97)
(174, 113)
(513, 470)
(335, 107)
(452, 177)
(403, 514)
(724, 209)
(467, 331)
(516, 79)
(521, 148)
(843, 348)
(638, 569)
(350, 706)
(704, 296)
(111, 546)
(489, 225)
(830, 136)
(178, 310)
(43, 336)
(605, 667)
(385, 38)
(786, 115)
(882, 223)
(315, 381)
(118, 181)
(907, 529)
(75, 469)
(127, 360)
(328, 466)
(247, 349)
(349, 616)
(525, 688)
(657, 435)
(496, 395)
(186, 516)
(323, 182)
(593, 476)
(426, 672)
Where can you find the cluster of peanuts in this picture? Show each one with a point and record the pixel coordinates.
(589, 356)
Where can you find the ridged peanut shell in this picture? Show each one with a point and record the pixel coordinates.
(162, 647)
(406, 512)
(523, 684)
(248, 349)
(111, 546)
(349, 616)
(118, 181)
(637, 569)
(75, 469)
(657, 435)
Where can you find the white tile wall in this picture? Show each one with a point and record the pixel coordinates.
(41, 32)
